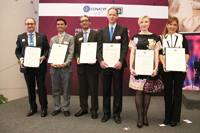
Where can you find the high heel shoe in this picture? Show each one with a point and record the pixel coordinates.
(146, 124)
(139, 126)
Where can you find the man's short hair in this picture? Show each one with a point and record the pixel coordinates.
(30, 18)
(114, 9)
(61, 19)
(84, 16)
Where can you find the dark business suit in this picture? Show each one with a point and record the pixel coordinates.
(110, 73)
(88, 75)
(31, 73)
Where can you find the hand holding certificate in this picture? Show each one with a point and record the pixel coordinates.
(175, 59)
(58, 53)
(32, 57)
(88, 52)
(111, 53)
(144, 62)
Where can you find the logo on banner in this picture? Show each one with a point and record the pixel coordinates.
(86, 8)
(120, 9)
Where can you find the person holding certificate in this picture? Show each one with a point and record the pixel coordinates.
(116, 34)
(62, 72)
(173, 79)
(144, 40)
(33, 39)
(88, 73)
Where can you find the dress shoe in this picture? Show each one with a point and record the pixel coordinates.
(66, 113)
(55, 112)
(81, 112)
(31, 112)
(94, 114)
(146, 124)
(166, 122)
(118, 119)
(139, 126)
(105, 118)
(172, 123)
(43, 113)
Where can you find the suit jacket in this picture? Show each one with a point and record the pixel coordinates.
(67, 40)
(93, 37)
(104, 37)
(41, 41)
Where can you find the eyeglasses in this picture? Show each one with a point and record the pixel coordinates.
(29, 24)
(84, 21)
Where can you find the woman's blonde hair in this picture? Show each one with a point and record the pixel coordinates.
(141, 18)
(170, 20)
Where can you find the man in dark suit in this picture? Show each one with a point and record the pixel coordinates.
(34, 39)
(88, 74)
(62, 72)
(113, 33)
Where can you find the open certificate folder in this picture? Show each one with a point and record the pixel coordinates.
(175, 59)
(58, 53)
(144, 62)
(88, 52)
(32, 56)
(111, 53)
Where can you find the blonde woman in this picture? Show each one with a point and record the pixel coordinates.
(147, 41)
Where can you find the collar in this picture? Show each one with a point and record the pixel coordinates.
(88, 31)
(30, 33)
(61, 34)
(113, 26)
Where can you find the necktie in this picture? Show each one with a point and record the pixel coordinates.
(60, 39)
(111, 33)
(85, 36)
(31, 40)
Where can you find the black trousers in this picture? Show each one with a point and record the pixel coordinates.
(107, 75)
(88, 81)
(30, 77)
(173, 101)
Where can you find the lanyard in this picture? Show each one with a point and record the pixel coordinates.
(31, 42)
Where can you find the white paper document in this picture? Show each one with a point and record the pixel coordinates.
(88, 52)
(144, 62)
(111, 53)
(175, 59)
(58, 53)
(32, 57)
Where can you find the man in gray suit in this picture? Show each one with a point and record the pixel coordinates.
(62, 71)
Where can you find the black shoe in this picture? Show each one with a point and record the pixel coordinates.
(172, 123)
(146, 124)
(31, 112)
(105, 118)
(55, 112)
(80, 113)
(118, 119)
(43, 113)
(139, 126)
(66, 113)
(166, 122)
(94, 114)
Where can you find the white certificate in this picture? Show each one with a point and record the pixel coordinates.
(88, 52)
(175, 59)
(58, 53)
(32, 57)
(144, 62)
(111, 53)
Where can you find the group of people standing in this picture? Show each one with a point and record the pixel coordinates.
(88, 74)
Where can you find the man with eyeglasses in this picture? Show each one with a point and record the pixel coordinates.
(34, 39)
(62, 72)
(88, 74)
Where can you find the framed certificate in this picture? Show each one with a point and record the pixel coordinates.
(58, 53)
(88, 52)
(111, 53)
(32, 56)
(175, 59)
(144, 62)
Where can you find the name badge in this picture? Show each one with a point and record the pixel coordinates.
(80, 39)
(23, 40)
(118, 37)
(150, 40)
(66, 43)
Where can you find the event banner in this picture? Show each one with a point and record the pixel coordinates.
(71, 10)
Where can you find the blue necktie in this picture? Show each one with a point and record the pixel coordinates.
(31, 40)
(111, 33)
